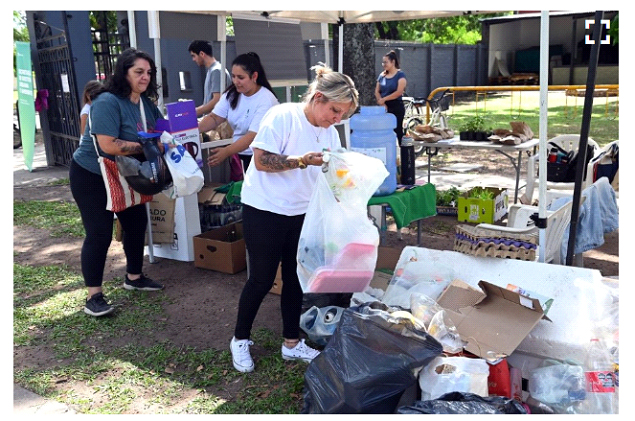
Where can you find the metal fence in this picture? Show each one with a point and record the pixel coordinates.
(427, 66)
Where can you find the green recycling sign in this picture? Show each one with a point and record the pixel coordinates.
(26, 101)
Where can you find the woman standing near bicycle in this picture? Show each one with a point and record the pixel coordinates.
(391, 85)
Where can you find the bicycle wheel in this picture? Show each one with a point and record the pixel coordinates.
(409, 124)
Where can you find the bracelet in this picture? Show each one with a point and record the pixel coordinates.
(301, 163)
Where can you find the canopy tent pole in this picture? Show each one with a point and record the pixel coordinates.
(132, 29)
(154, 32)
(340, 52)
(584, 133)
(221, 35)
(543, 133)
(324, 31)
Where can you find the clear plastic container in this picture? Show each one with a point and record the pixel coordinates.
(372, 133)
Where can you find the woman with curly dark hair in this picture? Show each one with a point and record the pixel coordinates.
(115, 120)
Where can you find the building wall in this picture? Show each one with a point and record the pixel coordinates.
(507, 38)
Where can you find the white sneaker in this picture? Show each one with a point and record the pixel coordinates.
(241, 356)
(300, 352)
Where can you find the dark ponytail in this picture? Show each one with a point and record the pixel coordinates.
(392, 56)
(250, 62)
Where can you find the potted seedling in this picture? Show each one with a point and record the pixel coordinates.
(447, 201)
(474, 129)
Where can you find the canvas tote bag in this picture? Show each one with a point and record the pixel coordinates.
(120, 195)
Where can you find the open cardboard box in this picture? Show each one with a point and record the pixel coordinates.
(221, 249)
(387, 258)
(209, 196)
(494, 320)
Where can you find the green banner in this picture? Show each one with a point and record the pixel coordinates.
(26, 101)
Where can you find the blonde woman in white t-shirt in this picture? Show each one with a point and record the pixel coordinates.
(243, 105)
(275, 195)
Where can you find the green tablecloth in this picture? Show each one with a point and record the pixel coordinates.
(407, 205)
(410, 205)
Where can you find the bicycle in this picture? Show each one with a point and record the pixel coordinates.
(416, 113)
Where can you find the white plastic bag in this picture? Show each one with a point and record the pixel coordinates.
(454, 374)
(187, 177)
(337, 251)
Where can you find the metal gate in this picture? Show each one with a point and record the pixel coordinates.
(108, 43)
(58, 76)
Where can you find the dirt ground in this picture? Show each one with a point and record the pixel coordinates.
(204, 302)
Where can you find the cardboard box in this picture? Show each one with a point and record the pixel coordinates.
(483, 211)
(183, 125)
(221, 249)
(214, 210)
(494, 320)
(387, 258)
(208, 196)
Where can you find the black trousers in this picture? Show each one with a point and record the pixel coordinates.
(397, 108)
(270, 239)
(89, 193)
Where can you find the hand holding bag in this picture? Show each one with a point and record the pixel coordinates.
(187, 177)
(120, 195)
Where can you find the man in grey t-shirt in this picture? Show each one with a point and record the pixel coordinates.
(201, 53)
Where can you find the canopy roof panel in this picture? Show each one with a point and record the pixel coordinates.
(345, 16)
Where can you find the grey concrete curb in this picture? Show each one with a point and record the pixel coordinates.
(26, 402)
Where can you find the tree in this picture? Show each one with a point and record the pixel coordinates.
(359, 58)
(465, 29)
(20, 31)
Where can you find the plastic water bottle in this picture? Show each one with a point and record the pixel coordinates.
(600, 397)
(373, 134)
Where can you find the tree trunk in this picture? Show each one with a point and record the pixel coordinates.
(358, 58)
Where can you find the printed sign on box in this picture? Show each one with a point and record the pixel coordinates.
(183, 125)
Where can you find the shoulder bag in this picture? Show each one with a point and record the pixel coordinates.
(120, 195)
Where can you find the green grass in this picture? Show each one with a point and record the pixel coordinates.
(564, 113)
(92, 375)
(61, 218)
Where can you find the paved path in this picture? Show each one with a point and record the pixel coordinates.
(28, 403)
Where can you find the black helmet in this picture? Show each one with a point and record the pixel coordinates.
(146, 177)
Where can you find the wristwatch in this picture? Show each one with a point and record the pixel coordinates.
(301, 163)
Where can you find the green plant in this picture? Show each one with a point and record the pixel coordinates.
(481, 193)
(448, 197)
(476, 124)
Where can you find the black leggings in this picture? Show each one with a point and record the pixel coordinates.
(89, 193)
(397, 108)
(270, 239)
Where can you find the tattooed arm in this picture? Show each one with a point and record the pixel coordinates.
(271, 162)
(114, 146)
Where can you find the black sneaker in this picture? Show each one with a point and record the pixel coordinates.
(142, 284)
(97, 306)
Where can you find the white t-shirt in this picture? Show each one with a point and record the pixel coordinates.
(248, 113)
(85, 109)
(285, 130)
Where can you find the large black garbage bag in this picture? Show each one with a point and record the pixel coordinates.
(465, 403)
(370, 360)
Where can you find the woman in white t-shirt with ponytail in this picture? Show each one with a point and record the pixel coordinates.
(275, 195)
(91, 90)
(242, 105)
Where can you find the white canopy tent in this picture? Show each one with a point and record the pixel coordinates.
(342, 17)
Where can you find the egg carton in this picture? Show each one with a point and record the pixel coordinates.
(495, 243)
